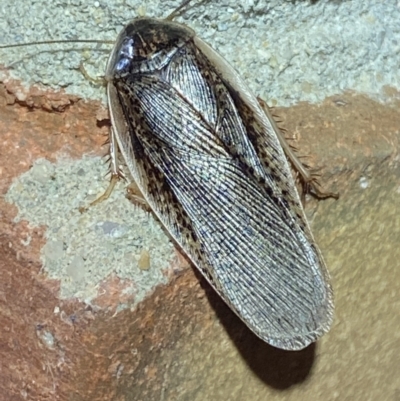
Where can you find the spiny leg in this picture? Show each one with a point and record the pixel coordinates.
(135, 196)
(114, 170)
(100, 81)
(308, 179)
(133, 191)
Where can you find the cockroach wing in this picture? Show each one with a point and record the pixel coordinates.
(209, 164)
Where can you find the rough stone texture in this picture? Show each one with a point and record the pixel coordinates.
(183, 343)
(286, 50)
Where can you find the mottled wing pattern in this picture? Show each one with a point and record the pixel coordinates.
(207, 169)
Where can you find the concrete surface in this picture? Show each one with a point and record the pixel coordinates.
(288, 51)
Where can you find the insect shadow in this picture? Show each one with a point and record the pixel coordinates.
(275, 367)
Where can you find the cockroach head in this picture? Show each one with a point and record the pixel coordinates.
(146, 45)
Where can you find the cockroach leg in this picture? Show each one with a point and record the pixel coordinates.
(307, 177)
